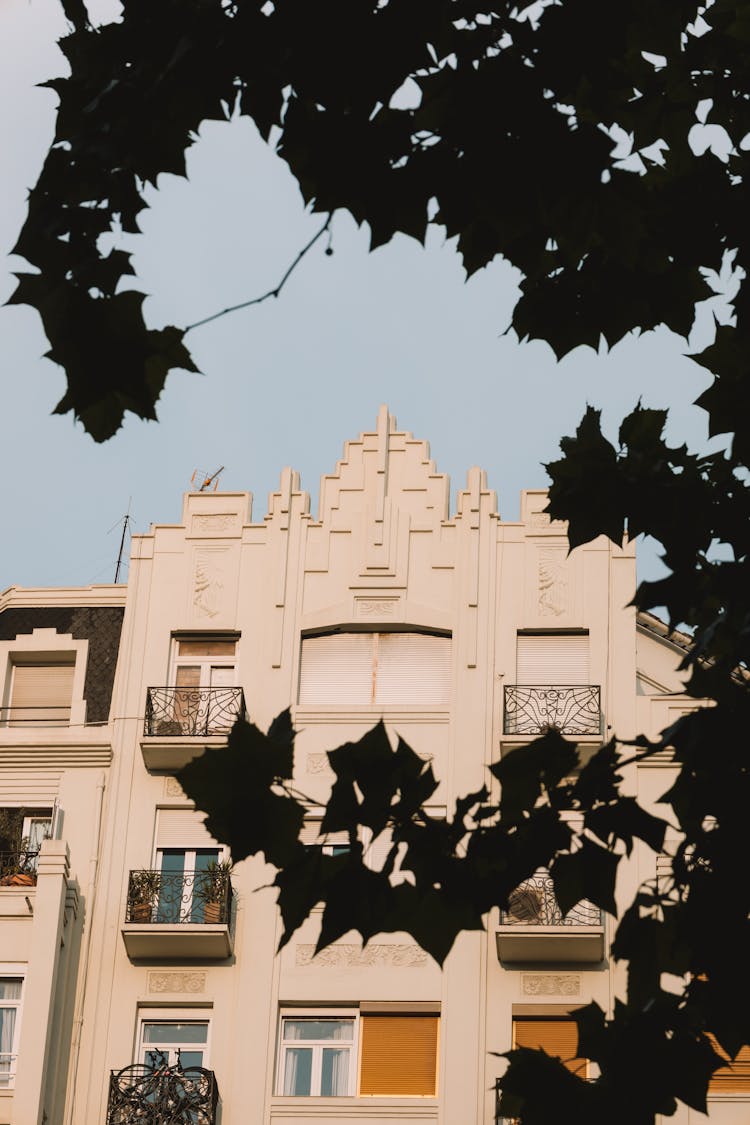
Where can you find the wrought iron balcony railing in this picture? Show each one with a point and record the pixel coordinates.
(534, 709)
(18, 869)
(142, 1094)
(533, 903)
(172, 898)
(179, 712)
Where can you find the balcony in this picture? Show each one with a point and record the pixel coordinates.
(179, 915)
(18, 869)
(569, 709)
(181, 721)
(534, 929)
(152, 1095)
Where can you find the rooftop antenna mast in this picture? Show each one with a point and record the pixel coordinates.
(125, 521)
(207, 479)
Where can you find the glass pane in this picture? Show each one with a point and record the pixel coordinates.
(223, 676)
(334, 1079)
(10, 988)
(203, 857)
(298, 1071)
(206, 648)
(188, 675)
(175, 1032)
(171, 888)
(191, 1058)
(319, 1029)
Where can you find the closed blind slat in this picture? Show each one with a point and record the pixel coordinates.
(182, 828)
(413, 668)
(551, 658)
(399, 1055)
(734, 1078)
(336, 669)
(558, 1037)
(310, 834)
(41, 694)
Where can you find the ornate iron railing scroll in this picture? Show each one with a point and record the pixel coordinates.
(179, 712)
(537, 708)
(533, 903)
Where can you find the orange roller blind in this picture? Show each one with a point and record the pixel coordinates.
(734, 1078)
(558, 1037)
(399, 1055)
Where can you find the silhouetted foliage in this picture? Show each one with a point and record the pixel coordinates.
(511, 148)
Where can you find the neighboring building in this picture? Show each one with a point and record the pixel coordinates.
(58, 653)
(468, 635)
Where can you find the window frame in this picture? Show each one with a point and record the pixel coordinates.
(44, 646)
(13, 971)
(172, 1015)
(205, 662)
(374, 704)
(317, 1046)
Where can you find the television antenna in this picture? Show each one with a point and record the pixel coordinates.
(207, 479)
(127, 519)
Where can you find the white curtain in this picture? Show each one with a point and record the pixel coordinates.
(10, 989)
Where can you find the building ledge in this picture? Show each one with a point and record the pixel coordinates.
(550, 944)
(156, 941)
(171, 753)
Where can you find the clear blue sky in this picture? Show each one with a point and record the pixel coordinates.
(289, 381)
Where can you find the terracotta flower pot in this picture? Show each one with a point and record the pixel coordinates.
(212, 913)
(140, 912)
(18, 880)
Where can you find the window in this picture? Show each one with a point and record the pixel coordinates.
(733, 1078)
(202, 697)
(557, 1035)
(184, 851)
(317, 1056)
(399, 1055)
(552, 659)
(167, 1040)
(333, 843)
(41, 694)
(205, 662)
(22, 831)
(10, 1017)
(376, 668)
(395, 1055)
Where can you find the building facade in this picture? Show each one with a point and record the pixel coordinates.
(134, 947)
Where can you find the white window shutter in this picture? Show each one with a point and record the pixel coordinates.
(413, 668)
(182, 828)
(553, 659)
(336, 669)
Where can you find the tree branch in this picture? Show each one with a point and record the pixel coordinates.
(271, 292)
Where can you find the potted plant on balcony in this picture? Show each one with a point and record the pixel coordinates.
(213, 890)
(142, 894)
(17, 866)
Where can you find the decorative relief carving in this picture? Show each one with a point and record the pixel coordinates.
(214, 524)
(177, 982)
(376, 607)
(208, 587)
(550, 984)
(541, 519)
(172, 788)
(553, 582)
(354, 957)
(318, 763)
